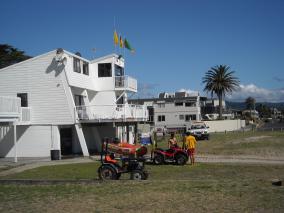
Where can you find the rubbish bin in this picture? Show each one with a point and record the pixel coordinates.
(55, 154)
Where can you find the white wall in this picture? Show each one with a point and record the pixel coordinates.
(79, 79)
(172, 113)
(45, 82)
(32, 141)
(225, 125)
(103, 83)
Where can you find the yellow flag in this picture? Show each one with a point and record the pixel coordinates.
(115, 38)
(121, 42)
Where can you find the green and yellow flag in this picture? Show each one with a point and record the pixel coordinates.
(128, 46)
(115, 38)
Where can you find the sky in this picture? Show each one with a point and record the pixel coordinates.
(176, 41)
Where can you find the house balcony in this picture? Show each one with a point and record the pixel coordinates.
(11, 110)
(125, 83)
(111, 113)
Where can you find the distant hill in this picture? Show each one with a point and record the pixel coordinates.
(242, 105)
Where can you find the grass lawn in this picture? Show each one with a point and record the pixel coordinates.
(201, 188)
(262, 144)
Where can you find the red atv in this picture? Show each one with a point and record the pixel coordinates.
(175, 155)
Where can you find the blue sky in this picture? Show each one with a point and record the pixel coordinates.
(176, 42)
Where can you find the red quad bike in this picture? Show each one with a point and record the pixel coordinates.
(175, 155)
(131, 161)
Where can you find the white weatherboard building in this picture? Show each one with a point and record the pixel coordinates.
(173, 111)
(61, 103)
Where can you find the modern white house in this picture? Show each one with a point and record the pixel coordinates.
(59, 103)
(174, 111)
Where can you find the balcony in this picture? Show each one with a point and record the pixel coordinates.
(125, 83)
(111, 113)
(10, 108)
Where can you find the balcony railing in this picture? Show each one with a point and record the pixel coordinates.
(99, 113)
(126, 83)
(10, 107)
(25, 115)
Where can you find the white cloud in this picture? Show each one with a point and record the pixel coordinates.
(258, 93)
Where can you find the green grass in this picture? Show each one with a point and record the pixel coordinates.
(199, 188)
(262, 144)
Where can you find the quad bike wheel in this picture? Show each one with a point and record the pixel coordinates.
(158, 159)
(107, 173)
(180, 159)
(137, 175)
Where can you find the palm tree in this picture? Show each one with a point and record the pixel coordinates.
(220, 80)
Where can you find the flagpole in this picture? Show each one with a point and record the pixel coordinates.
(114, 31)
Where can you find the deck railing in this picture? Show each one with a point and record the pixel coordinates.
(126, 82)
(112, 112)
(25, 114)
(10, 107)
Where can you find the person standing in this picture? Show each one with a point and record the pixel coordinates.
(190, 143)
(172, 141)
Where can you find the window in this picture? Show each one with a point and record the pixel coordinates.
(85, 68)
(24, 99)
(189, 104)
(161, 105)
(161, 118)
(104, 70)
(79, 100)
(178, 103)
(190, 117)
(181, 117)
(119, 71)
(76, 65)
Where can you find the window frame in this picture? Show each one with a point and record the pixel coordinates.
(76, 62)
(85, 68)
(161, 118)
(179, 104)
(103, 73)
(24, 99)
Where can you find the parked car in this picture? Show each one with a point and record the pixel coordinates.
(199, 130)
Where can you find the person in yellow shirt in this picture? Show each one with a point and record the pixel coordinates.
(190, 143)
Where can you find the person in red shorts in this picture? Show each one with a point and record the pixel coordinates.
(190, 143)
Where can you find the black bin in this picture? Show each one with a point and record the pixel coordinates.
(55, 154)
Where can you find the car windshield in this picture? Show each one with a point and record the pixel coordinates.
(198, 127)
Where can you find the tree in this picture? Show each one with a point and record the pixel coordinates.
(263, 110)
(250, 104)
(220, 80)
(10, 55)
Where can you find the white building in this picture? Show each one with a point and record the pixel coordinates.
(62, 103)
(173, 111)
